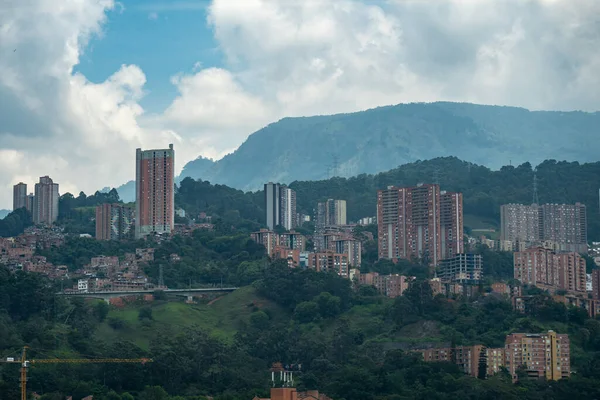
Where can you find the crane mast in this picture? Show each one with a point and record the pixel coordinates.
(25, 363)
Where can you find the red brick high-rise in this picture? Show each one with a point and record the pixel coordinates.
(419, 222)
(155, 201)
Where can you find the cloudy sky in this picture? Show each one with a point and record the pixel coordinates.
(83, 83)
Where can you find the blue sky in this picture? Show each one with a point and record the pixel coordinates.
(163, 38)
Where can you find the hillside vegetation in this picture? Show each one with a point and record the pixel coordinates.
(379, 139)
(484, 190)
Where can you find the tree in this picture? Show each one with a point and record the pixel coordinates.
(145, 313)
(101, 309)
(307, 311)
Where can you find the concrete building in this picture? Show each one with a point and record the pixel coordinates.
(465, 357)
(267, 238)
(45, 202)
(30, 202)
(330, 213)
(19, 196)
(545, 355)
(564, 226)
(280, 206)
(596, 284)
(272, 204)
(410, 223)
(329, 261)
(114, 222)
(292, 240)
(520, 223)
(462, 268)
(451, 224)
(155, 192)
(352, 248)
(288, 218)
(550, 271)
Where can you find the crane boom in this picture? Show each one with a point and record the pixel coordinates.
(25, 364)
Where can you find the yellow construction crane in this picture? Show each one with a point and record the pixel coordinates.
(25, 363)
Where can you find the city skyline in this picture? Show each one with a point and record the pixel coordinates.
(215, 89)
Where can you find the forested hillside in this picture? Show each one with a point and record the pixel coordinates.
(484, 189)
(376, 140)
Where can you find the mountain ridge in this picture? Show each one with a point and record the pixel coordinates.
(317, 147)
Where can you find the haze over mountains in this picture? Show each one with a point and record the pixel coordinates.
(375, 140)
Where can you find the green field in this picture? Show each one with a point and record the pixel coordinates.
(476, 223)
(222, 318)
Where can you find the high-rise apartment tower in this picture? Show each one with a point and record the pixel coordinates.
(280, 206)
(155, 191)
(45, 201)
(19, 196)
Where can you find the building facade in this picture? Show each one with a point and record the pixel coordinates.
(289, 217)
(280, 206)
(331, 213)
(155, 191)
(596, 284)
(45, 201)
(451, 224)
(462, 268)
(550, 271)
(563, 225)
(114, 222)
(545, 355)
(19, 196)
(410, 222)
(329, 261)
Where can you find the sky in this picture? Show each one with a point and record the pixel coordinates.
(83, 83)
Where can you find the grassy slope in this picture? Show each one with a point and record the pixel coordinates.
(222, 318)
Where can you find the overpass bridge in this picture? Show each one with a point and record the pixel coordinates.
(111, 294)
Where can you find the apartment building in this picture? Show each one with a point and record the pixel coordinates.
(267, 238)
(329, 261)
(330, 213)
(451, 224)
(19, 196)
(352, 248)
(462, 268)
(45, 202)
(114, 222)
(544, 355)
(155, 192)
(280, 206)
(465, 357)
(563, 225)
(550, 271)
(596, 284)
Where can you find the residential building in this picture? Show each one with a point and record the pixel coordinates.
(155, 191)
(537, 266)
(272, 204)
(329, 261)
(462, 268)
(451, 224)
(19, 196)
(550, 271)
(30, 202)
(292, 240)
(410, 223)
(280, 206)
(571, 273)
(391, 286)
(465, 357)
(330, 213)
(545, 355)
(565, 224)
(45, 203)
(289, 217)
(596, 284)
(561, 226)
(352, 248)
(520, 223)
(267, 238)
(114, 222)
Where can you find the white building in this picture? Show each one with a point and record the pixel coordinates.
(82, 285)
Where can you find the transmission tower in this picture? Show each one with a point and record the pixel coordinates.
(536, 199)
(334, 165)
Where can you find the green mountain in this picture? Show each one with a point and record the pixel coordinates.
(312, 148)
